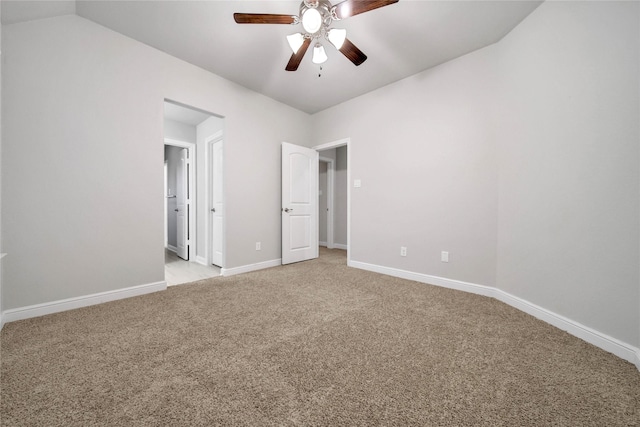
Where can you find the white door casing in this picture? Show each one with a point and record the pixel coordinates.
(216, 209)
(299, 203)
(182, 208)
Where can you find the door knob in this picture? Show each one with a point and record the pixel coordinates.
(288, 210)
(213, 209)
(177, 210)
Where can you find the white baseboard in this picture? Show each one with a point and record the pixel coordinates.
(201, 260)
(251, 267)
(612, 345)
(84, 301)
(425, 278)
(340, 246)
(1, 321)
(322, 244)
(172, 248)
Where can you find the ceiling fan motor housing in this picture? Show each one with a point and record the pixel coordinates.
(316, 16)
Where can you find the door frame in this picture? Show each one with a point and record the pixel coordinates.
(166, 205)
(336, 144)
(208, 166)
(330, 198)
(191, 200)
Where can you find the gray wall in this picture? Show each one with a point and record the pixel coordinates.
(520, 159)
(1, 241)
(569, 175)
(83, 187)
(429, 182)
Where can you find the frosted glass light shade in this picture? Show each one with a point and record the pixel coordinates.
(295, 41)
(337, 36)
(319, 55)
(311, 21)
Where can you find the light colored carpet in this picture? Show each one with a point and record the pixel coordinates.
(314, 343)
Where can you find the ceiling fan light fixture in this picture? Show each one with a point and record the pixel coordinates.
(342, 9)
(316, 18)
(337, 37)
(319, 55)
(295, 41)
(311, 21)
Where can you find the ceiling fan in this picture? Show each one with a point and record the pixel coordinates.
(316, 17)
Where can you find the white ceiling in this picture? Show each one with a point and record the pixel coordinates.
(400, 40)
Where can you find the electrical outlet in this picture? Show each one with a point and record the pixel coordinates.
(403, 251)
(444, 256)
(258, 246)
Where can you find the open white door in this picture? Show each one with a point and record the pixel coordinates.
(182, 208)
(299, 203)
(216, 203)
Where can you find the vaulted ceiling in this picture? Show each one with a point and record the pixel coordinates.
(400, 40)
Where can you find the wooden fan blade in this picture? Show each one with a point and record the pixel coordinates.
(349, 8)
(352, 52)
(263, 18)
(296, 58)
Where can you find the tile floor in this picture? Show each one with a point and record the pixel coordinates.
(178, 271)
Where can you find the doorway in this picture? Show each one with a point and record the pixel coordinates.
(179, 158)
(334, 195)
(187, 131)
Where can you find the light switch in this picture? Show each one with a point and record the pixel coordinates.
(357, 183)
